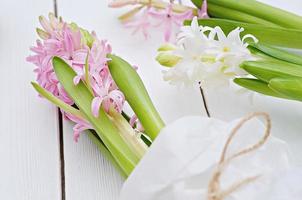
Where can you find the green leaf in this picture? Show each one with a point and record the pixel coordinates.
(197, 3)
(271, 35)
(105, 129)
(267, 70)
(257, 86)
(259, 54)
(136, 95)
(291, 87)
(255, 9)
(53, 99)
(227, 13)
(278, 53)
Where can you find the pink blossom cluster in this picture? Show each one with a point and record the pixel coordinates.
(148, 17)
(77, 47)
(166, 18)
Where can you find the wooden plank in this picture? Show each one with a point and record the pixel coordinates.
(29, 154)
(88, 175)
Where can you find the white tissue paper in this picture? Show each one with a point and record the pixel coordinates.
(181, 161)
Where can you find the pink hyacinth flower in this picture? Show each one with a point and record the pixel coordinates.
(62, 42)
(67, 42)
(135, 123)
(73, 52)
(140, 23)
(106, 94)
(203, 12)
(81, 125)
(168, 18)
(98, 57)
(51, 25)
(64, 96)
(80, 70)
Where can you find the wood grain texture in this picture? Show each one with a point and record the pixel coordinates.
(88, 175)
(29, 168)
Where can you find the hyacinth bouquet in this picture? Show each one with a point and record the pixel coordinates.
(77, 72)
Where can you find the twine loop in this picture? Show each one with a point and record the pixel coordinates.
(214, 190)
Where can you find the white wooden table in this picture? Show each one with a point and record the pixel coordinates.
(31, 164)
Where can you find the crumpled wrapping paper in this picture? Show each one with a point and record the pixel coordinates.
(181, 161)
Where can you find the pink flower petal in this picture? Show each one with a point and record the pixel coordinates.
(183, 16)
(132, 120)
(95, 106)
(203, 12)
(45, 24)
(168, 32)
(76, 79)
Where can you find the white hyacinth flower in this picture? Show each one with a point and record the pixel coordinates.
(207, 55)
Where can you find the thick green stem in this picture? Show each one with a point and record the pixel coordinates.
(128, 133)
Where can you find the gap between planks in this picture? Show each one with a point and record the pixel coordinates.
(61, 136)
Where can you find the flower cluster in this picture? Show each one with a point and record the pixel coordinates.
(82, 51)
(148, 14)
(150, 17)
(205, 54)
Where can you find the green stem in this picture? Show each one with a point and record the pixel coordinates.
(128, 133)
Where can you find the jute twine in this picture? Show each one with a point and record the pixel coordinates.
(214, 190)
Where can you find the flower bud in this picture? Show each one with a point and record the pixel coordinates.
(42, 34)
(166, 47)
(167, 59)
